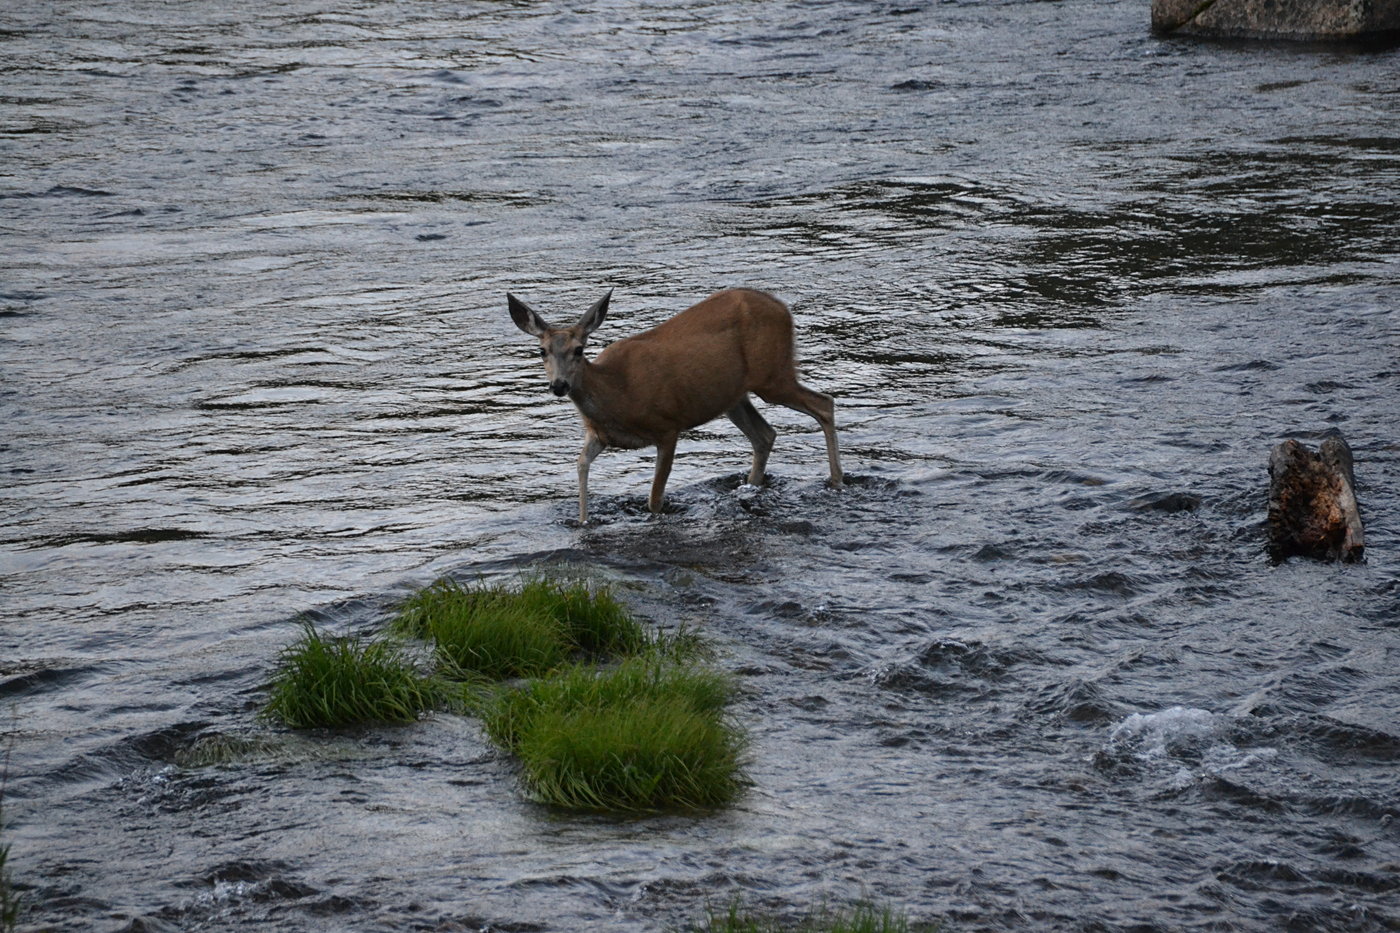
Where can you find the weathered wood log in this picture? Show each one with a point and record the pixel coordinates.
(1312, 502)
(1313, 20)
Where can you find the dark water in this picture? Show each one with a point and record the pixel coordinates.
(1030, 670)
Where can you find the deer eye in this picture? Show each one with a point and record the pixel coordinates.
(578, 352)
(544, 354)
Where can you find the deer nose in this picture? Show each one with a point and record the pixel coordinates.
(559, 387)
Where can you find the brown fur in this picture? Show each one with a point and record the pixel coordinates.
(646, 389)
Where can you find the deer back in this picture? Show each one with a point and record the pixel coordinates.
(690, 369)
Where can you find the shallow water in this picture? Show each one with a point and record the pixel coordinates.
(1030, 669)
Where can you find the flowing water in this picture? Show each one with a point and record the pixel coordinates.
(1030, 669)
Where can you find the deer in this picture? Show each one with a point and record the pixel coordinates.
(646, 389)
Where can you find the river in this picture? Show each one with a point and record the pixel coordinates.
(1030, 669)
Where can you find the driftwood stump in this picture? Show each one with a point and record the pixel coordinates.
(1312, 502)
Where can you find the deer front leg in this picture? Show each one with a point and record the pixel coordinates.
(665, 453)
(591, 448)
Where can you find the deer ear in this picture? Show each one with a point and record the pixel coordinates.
(590, 321)
(524, 317)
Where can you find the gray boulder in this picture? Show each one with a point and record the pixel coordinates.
(1317, 20)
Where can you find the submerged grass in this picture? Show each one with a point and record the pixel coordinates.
(229, 749)
(650, 734)
(500, 632)
(861, 918)
(10, 901)
(9, 897)
(344, 681)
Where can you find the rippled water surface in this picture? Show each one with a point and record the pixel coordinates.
(1031, 669)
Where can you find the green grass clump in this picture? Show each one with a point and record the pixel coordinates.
(510, 712)
(649, 734)
(501, 632)
(10, 900)
(328, 681)
(861, 918)
(9, 897)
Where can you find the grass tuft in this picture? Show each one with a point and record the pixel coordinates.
(861, 918)
(329, 681)
(647, 735)
(10, 900)
(635, 681)
(501, 632)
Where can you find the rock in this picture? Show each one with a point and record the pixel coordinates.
(1317, 20)
(1165, 502)
(1312, 502)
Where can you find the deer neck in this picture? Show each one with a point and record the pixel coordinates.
(600, 395)
(591, 392)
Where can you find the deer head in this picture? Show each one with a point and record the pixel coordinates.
(560, 348)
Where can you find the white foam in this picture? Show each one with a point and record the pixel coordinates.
(1188, 743)
(1157, 735)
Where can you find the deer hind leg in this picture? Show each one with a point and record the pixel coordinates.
(591, 448)
(820, 406)
(665, 453)
(759, 432)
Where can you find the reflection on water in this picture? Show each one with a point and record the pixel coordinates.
(1030, 669)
